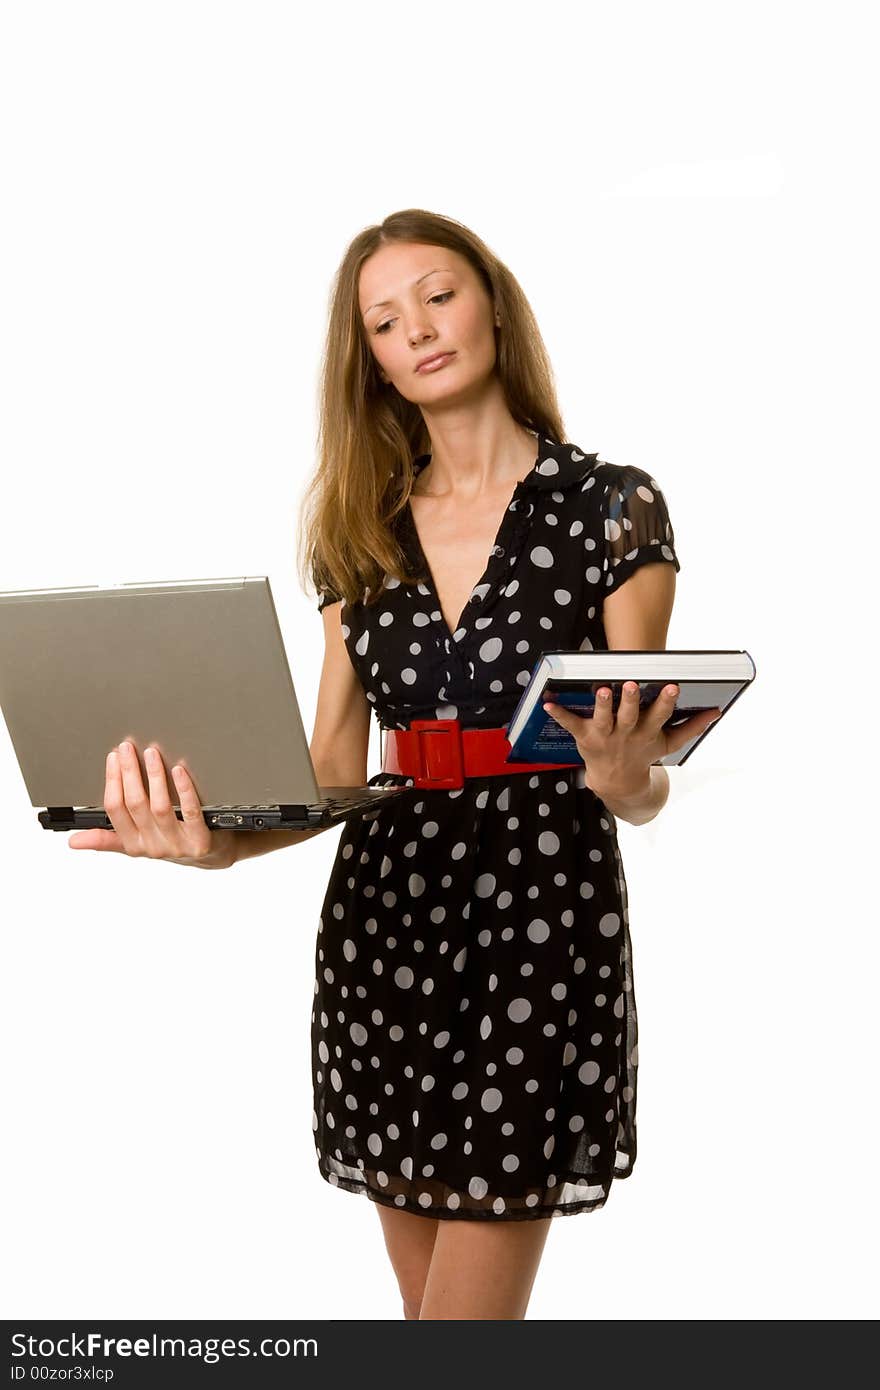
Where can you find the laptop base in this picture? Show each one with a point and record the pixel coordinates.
(290, 816)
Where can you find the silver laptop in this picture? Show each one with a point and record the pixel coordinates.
(196, 668)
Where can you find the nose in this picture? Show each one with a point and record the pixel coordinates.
(418, 335)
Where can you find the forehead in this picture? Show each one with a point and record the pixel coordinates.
(393, 270)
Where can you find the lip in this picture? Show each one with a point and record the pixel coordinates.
(435, 361)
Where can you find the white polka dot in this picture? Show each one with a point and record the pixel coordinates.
(518, 1010)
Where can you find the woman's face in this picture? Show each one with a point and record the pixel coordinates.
(417, 300)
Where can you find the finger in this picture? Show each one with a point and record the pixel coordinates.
(629, 709)
(663, 708)
(137, 801)
(566, 718)
(603, 717)
(191, 808)
(557, 712)
(96, 838)
(161, 808)
(115, 807)
(683, 733)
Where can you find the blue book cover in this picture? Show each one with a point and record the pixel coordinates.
(540, 739)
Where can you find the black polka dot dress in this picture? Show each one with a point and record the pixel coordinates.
(474, 1033)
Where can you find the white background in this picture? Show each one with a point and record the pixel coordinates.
(687, 196)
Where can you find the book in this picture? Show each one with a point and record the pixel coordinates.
(706, 680)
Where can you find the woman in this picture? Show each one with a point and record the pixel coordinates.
(474, 1030)
(474, 1033)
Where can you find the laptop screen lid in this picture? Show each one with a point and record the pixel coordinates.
(195, 667)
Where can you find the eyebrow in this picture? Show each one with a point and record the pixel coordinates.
(383, 303)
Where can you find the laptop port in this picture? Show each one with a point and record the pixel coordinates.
(225, 819)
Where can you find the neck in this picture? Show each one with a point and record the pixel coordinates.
(467, 467)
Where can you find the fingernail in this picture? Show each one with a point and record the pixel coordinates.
(124, 748)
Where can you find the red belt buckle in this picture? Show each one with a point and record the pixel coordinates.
(441, 755)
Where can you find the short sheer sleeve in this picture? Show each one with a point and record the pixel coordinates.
(323, 587)
(327, 595)
(637, 526)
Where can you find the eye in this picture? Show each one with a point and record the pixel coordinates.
(447, 294)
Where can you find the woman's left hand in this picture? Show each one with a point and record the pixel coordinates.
(618, 751)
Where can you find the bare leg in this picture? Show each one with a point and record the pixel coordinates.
(483, 1269)
(409, 1240)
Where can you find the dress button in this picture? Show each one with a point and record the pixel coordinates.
(499, 550)
(474, 598)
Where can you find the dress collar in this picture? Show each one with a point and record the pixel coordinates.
(556, 465)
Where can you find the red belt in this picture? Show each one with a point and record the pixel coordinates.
(439, 753)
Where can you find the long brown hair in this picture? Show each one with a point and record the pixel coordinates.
(368, 434)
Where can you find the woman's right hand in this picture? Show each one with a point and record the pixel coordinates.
(145, 825)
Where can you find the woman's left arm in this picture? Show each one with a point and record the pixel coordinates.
(620, 753)
(641, 808)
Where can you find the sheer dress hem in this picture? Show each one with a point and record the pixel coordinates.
(354, 1179)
